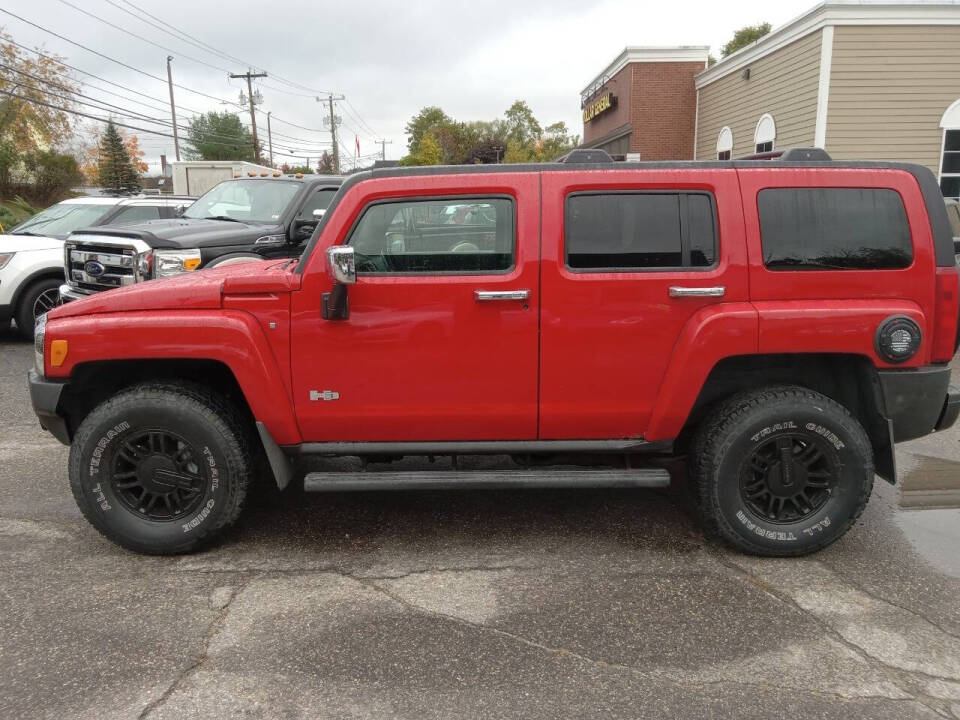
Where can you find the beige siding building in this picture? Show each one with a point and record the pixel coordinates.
(875, 80)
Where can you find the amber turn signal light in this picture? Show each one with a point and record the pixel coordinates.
(58, 352)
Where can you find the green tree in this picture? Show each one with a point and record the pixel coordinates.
(428, 152)
(522, 126)
(302, 169)
(421, 123)
(219, 136)
(744, 36)
(115, 168)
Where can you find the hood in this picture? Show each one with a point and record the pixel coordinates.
(21, 243)
(185, 232)
(199, 290)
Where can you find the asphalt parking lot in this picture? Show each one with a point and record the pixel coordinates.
(537, 604)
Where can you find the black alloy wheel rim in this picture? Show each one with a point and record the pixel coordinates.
(158, 475)
(46, 301)
(787, 479)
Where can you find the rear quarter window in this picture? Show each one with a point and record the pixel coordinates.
(834, 229)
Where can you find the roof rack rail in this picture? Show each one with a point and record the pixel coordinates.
(585, 155)
(812, 154)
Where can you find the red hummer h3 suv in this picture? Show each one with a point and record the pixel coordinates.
(780, 322)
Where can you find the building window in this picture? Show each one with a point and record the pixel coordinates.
(765, 135)
(725, 144)
(950, 155)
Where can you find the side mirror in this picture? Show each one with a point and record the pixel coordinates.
(334, 304)
(319, 213)
(342, 264)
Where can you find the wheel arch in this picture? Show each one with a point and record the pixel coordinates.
(48, 273)
(849, 379)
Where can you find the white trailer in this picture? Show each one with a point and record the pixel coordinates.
(195, 177)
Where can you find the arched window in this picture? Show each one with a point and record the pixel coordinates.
(765, 135)
(950, 152)
(725, 143)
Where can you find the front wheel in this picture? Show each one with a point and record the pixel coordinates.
(782, 471)
(160, 468)
(38, 298)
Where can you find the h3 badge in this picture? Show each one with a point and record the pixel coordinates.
(325, 395)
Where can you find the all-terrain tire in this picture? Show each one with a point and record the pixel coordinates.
(162, 436)
(42, 293)
(748, 457)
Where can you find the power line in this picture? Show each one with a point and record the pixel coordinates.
(139, 37)
(101, 79)
(113, 60)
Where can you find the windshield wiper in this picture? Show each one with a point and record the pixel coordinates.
(26, 232)
(222, 217)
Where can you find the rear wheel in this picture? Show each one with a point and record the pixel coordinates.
(38, 298)
(161, 468)
(782, 471)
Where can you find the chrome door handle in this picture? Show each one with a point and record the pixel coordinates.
(487, 295)
(677, 291)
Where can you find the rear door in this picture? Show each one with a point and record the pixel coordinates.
(629, 258)
(436, 346)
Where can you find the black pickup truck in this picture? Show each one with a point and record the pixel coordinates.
(240, 220)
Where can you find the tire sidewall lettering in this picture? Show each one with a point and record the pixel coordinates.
(756, 529)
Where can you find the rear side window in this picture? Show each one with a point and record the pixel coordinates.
(135, 214)
(450, 235)
(640, 231)
(834, 229)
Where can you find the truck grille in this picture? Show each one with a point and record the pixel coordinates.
(92, 266)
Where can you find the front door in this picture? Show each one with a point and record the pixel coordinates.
(434, 347)
(630, 257)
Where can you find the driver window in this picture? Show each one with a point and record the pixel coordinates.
(318, 200)
(435, 236)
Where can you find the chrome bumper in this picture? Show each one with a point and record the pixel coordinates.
(68, 293)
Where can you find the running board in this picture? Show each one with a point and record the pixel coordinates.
(479, 479)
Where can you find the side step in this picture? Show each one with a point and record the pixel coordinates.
(477, 479)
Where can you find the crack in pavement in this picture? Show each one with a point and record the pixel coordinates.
(201, 657)
(603, 664)
(896, 676)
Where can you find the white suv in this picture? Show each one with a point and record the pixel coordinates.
(31, 254)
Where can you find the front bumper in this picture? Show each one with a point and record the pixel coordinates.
(919, 401)
(45, 396)
(68, 293)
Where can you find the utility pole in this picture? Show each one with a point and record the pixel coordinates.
(333, 121)
(383, 148)
(270, 137)
(253, 112)
(173, 109)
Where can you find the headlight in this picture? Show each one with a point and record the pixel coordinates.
(39, 330)
(174, 262)
(5, 258)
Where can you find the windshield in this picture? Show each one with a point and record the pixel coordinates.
(253, 201)
(62, 219)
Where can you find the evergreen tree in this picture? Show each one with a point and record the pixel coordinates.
(115, 168)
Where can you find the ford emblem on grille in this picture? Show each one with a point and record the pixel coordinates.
(93, 268)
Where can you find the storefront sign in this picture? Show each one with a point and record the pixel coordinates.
(598, 106)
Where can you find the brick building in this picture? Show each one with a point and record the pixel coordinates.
(645, 102)
(873, 80)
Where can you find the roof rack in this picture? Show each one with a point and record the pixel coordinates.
(812, 154)
(585, 155)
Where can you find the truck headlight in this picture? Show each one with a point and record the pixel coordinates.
(174, 262)
(5, 258)
(39, 331)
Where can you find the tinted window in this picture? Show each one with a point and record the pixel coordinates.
(833, 228)
(431, 236)
(634, 231)
(318, 200)
(136, 213)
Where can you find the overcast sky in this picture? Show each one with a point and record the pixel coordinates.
(389, 59)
